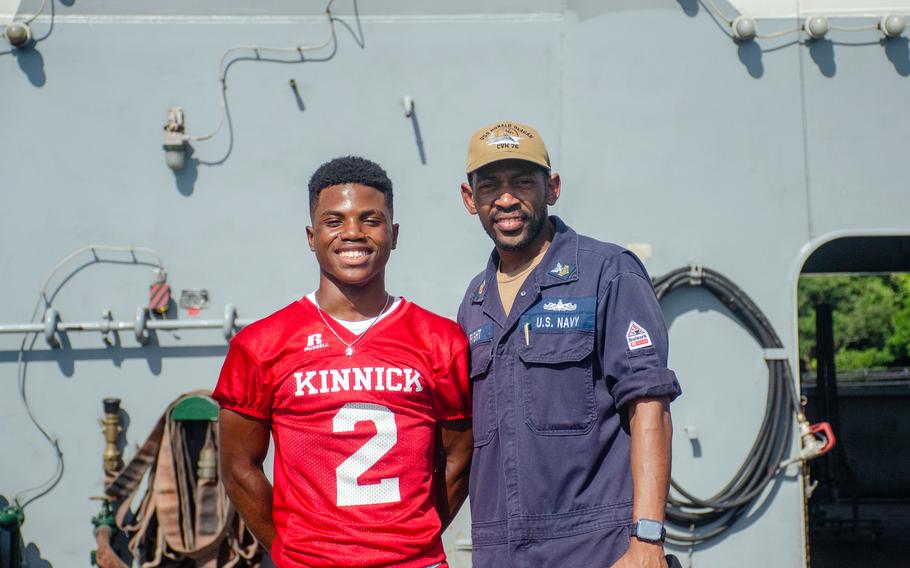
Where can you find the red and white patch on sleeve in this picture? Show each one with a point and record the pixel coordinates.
(637, 336)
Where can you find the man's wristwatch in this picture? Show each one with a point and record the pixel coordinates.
(649, 530)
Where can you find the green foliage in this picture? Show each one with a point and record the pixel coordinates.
(855, 359)
(899, 342)
(871, 319)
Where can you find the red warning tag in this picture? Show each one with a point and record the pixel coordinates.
(637, 336)
(159, 297)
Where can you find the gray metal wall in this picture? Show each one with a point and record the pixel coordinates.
(741, 157)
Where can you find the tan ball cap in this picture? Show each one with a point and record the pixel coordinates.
(506, 141)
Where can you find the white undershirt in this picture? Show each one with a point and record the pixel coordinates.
(357, 327)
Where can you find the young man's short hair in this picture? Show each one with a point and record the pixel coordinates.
(350, 169)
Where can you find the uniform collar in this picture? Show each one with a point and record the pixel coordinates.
(558, 266)
(480, 292)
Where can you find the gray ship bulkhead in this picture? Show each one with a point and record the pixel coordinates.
(744, 157)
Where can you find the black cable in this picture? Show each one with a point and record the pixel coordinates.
(718, 513)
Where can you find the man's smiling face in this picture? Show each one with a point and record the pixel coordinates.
(352, 233)
(511, 198)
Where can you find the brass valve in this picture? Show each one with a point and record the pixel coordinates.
(111, 428)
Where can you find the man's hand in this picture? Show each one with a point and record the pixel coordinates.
(642, 555)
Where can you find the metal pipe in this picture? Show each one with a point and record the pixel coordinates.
(122, 325)
(53, 324)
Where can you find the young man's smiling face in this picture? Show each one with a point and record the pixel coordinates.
(352, 233)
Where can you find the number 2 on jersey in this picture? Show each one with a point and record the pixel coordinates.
(349, 491)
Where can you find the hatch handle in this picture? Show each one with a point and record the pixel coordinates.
(824, 428)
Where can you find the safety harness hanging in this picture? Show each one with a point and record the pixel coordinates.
(185, 512)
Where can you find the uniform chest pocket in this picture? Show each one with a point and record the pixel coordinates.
(482, 394)
(558, 381)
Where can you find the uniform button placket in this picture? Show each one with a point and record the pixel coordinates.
(511, 426)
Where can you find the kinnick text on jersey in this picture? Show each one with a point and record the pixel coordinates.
(364, 379)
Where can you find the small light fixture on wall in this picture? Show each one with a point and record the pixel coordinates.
(18, 34)
(816, 27)
(175, 139)
(743, 28)
(893, 25)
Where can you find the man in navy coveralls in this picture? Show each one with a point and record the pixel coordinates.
(569, 372)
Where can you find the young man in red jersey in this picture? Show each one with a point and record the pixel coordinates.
(366, 396)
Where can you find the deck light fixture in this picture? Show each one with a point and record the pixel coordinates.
(816, 27)
(18, 34)
(175, 139)
(893, 25)
(743, 28)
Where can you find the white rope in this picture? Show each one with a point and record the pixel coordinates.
(21, 366)
(222, 70)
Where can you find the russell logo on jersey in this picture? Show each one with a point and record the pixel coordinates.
(314, 342)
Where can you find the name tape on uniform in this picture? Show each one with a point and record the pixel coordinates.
(481, 334)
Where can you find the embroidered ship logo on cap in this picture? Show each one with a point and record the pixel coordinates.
(637, 336)
(510, 139)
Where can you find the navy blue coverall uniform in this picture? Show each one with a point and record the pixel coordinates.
(551, 483)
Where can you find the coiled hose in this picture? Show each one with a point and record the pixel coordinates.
(718, 513)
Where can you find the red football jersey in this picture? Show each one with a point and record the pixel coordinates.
(354, 435)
